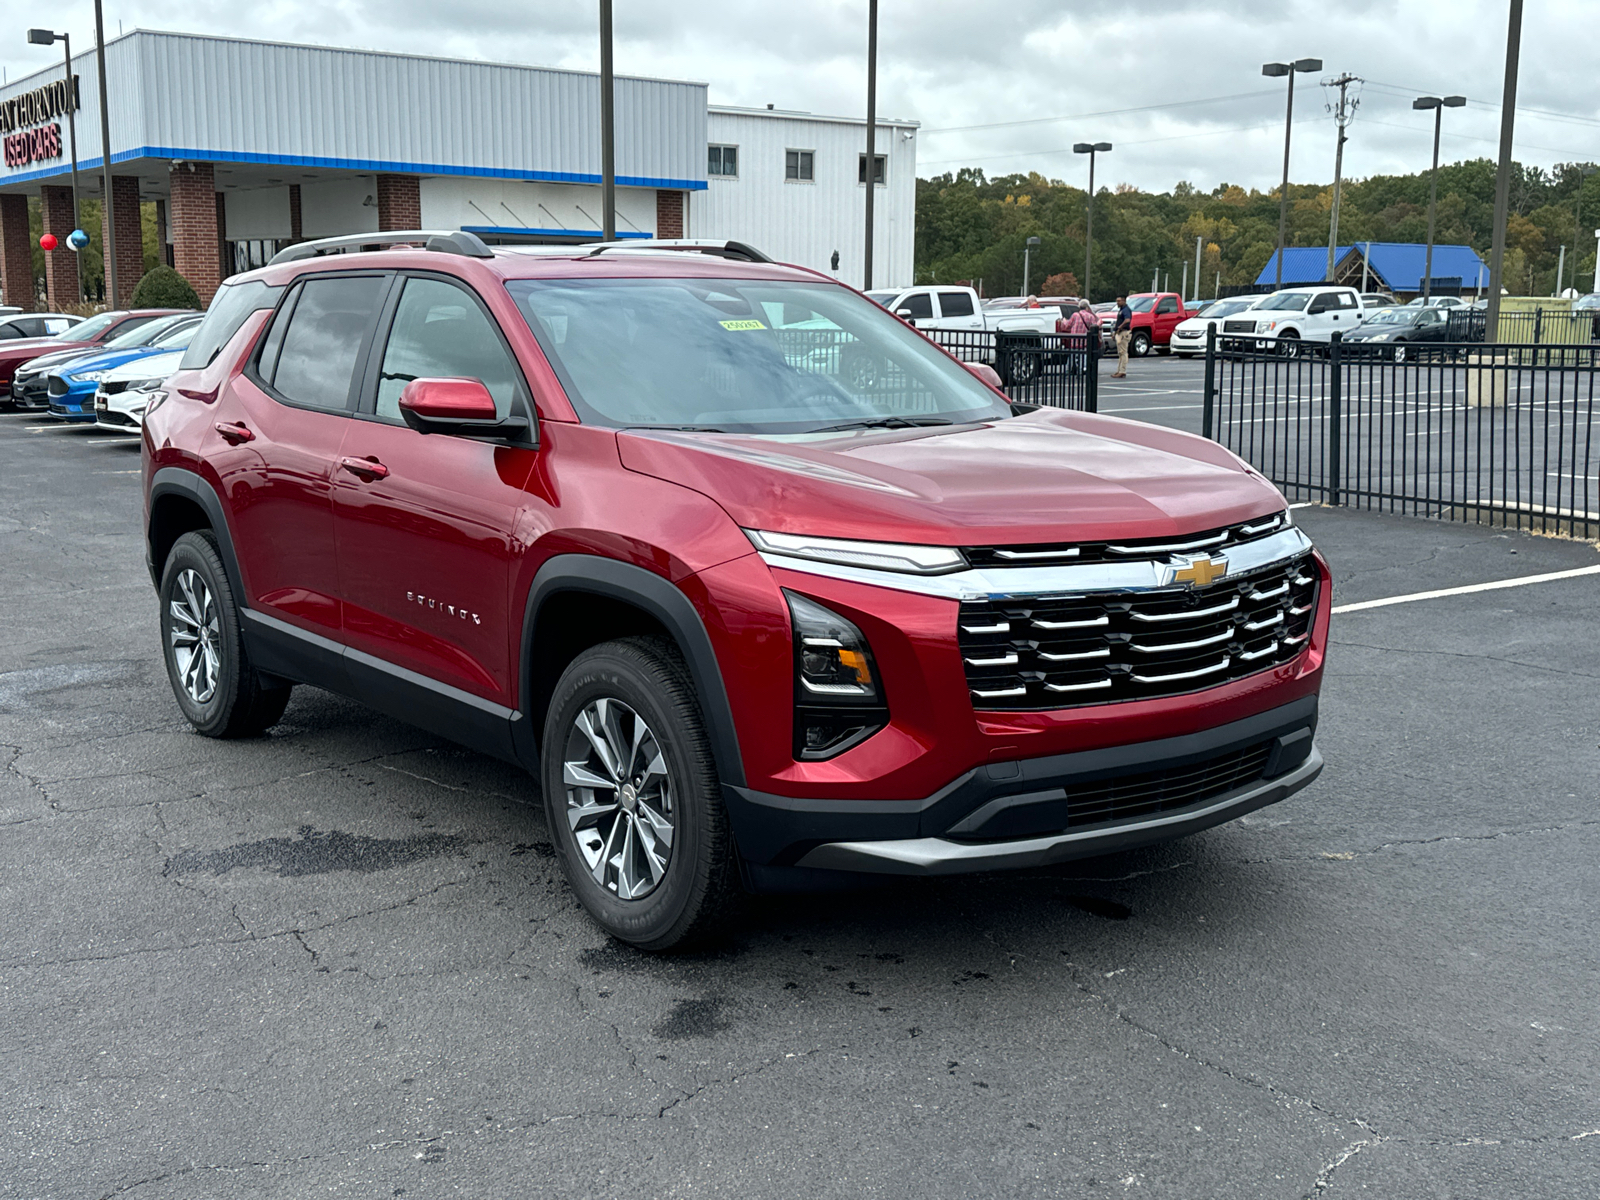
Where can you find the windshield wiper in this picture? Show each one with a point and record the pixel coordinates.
(883, 423)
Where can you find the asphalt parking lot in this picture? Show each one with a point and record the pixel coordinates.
(339, 960)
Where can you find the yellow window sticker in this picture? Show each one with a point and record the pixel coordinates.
(738, 325)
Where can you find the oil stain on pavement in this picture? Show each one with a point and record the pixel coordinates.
(317, 853)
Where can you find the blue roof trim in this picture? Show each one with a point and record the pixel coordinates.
(354, 164)
(517, 230)
(1395, 265)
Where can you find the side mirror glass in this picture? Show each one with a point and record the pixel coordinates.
(459, 406)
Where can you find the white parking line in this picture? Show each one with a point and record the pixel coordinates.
(1111, 412)
(1524, 581)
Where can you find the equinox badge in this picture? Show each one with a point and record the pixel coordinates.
(441, 606)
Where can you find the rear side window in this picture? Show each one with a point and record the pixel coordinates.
(440, 332)
(229, 308)
(956, 304)
(323, 338)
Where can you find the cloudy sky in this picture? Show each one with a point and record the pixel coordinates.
(1010, 85)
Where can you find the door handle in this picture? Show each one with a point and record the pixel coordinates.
(365, 469)
(234, 432)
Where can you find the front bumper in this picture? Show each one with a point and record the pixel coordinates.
(1042, 810)
(76, 404)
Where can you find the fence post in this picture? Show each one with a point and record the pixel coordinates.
(1333, 432)
(1091, 372)
(1206, 418)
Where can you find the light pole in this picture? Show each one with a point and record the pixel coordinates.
(1438, 104)
(1275, 71)
(872, 132)
(1026, 250)
(1502, 173)
(1091, 149)
(113, 296)
(47, 37)
(608, 131)
(1577, 226)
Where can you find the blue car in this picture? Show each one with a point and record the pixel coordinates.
(72, 384)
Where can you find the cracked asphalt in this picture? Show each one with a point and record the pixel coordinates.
(339, 960)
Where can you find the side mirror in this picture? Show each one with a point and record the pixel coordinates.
(906, 315)
(986, 375)
(460, 406)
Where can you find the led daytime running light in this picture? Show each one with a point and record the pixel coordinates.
(874, 556)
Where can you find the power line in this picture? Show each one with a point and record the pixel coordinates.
(1400, 90)
(1111, 112)
(1142, 142)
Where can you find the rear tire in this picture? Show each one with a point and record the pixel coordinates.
(632, 798)
(220, 693)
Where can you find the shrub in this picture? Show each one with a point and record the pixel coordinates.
(164, 288)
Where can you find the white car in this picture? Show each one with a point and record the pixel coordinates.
(126, 391)
(1189, 337)
(1289, 320)
(1438, 302)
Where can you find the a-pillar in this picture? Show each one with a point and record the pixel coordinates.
(61, 264)
(16, 252)
(124, 210)
(399, 203)
(192, 210)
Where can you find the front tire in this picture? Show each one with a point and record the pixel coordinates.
(1140, 345)
(1398, 354)
(220, 693)
(1289, 345)
(632, 798)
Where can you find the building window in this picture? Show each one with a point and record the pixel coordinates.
(878, 167)
(723, 161)
(799, 165)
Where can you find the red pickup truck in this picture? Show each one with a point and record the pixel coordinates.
(1155, 316)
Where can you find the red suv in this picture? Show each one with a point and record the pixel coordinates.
(616, 513)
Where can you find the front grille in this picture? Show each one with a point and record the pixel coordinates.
(1127, 797)
(1239, 326)
(57, 386)
(116, 418)
(30, 389)
(1101, 647)
(111, 387)
(1072, 553)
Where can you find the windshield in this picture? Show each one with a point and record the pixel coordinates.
(1141, 303)
(87, 331)
(178, 338)
(744, 356)
(1226, 308)
(1391, 316)
(1284, 302)
(143, 335)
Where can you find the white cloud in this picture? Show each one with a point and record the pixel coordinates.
(960, 64)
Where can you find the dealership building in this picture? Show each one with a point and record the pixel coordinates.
(244, 147)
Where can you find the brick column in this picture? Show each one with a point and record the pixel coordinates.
(224, 259)
(399, 202)
(193, 213)
(295, 225)
(16, 252)
(669, 214)
(61, 264)
(124, 209)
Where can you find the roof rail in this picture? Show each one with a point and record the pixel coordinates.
(713, 246)
(443, 241)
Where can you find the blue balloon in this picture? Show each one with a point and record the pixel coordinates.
(77, 239)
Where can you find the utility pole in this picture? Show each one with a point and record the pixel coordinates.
(1343, 113)
(1502, 175)
(872, 131)
(608, 132)
(113, 297)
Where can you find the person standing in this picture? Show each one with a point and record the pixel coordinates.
(1122, 331)
(1081, 324)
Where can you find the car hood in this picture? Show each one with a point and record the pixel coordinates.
(1045, 476)
(57, 356)
(107, 359)
(1371, 330)
(26, 352)
(147, 365)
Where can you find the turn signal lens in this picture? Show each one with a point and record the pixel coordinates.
(837, 699)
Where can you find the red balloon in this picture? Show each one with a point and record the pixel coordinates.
(47, 242)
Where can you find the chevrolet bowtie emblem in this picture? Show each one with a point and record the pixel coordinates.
(1201, 572)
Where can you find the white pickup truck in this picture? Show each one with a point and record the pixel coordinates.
(943, 308)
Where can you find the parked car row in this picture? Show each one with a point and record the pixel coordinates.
(103, 369)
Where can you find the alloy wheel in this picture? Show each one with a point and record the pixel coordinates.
(620, 802)
(196, 637)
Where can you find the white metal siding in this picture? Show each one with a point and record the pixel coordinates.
(805, 223)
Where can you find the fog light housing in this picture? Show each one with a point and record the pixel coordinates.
(838, 698)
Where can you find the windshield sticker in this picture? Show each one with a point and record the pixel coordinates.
(738, 325)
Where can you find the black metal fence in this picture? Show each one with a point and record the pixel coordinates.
(1053, 370)
(1498, 435)
(1557, 327)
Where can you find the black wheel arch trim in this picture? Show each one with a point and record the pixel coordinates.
(662, 600)
(176, 481)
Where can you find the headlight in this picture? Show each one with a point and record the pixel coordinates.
(146, 385)
(1381, 337)
(86, 377)
(875, 556)
(837, 699)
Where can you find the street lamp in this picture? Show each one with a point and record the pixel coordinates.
(1026, 250)
(47, 37)
(1438, 104)
(1091, 149)
(1276, 71)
